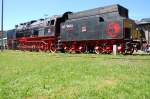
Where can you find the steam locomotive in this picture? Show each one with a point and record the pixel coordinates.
(95, 30)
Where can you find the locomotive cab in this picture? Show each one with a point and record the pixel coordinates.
(132, 34)
(53, 26)
(128, 29)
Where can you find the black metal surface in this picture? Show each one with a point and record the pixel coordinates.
(90, 28)
(102, 10)
(95, 24)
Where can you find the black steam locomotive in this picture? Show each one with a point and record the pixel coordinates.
(95, 30)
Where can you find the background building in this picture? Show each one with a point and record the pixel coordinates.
(4, 39)
(144, 24)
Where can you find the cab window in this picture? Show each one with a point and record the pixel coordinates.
(52, 22)
(127, 32)
(101, 19)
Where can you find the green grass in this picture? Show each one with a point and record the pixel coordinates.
(32, 75)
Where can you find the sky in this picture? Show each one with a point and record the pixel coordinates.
(19, 11)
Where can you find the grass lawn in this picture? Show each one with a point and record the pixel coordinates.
(33, 75)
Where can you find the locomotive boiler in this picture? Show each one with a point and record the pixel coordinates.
(38, 35)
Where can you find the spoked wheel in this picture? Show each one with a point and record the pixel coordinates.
(41, 47)
(109, 52)
(37, 47)
(69, 50)
(66, 49)
(32, 48)
(82, 49)
(130, 49)
(72, 50)
(46, 48)
(53, 49)
(98, 50)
